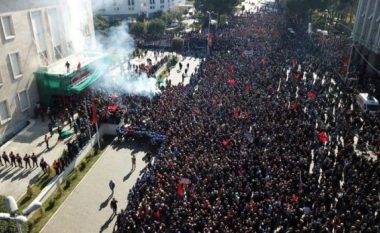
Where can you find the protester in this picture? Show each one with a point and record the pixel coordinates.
(261, 140)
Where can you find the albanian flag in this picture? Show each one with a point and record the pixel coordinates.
(93, 111)
(311, 95)
(231, 81)
(323, 138)
(298, 76)
(157, 214)
(294, 106)
(236, 114)
(226, 141)
(294, 62)
(180, 190)
(232, 69)
(294, 198)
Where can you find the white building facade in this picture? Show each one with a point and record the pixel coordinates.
(133, 8)
(34, 34)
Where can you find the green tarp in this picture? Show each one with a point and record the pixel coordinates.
(50, 84)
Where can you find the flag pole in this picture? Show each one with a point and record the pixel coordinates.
(97, 134)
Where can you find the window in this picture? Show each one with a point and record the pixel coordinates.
(7, 24)
(162, 1)
(55, 24)
(152, 2)
(44, 57)
(38, 30)
(162, 6)
(14, 59)
(58, 52)
(4, 112)
(70, 47)
(152, 7)
(23, 97)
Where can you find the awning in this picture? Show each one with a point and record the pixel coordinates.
(52, 82)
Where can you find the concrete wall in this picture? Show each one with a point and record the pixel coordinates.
(121, 7)
(105, 129)
(24, 43)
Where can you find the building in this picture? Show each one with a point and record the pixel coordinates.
(34, 34)
(366, 36)
(122, 9)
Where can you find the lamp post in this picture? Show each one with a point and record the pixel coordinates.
(13, 207)
(208, 31)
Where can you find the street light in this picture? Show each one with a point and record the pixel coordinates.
(208, 31)
(13, 207)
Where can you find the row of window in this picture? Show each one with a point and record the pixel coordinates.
(15, 65)
(5, 114)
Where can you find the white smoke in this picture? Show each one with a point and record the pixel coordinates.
(78, 23)
(116, 42)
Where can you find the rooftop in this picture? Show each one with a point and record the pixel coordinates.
(84, 58)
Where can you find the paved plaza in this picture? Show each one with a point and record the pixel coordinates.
(14, 180)
(87, 209)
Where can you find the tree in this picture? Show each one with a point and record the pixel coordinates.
(155, 26)
(137, 28)
(177, 43)
(219, 7)
(101, 22)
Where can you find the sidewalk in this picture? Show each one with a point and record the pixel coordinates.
(14, 180)
(175, 75)
(87, 209)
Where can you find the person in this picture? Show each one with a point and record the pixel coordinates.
(133, 162)
(19, 160)
(5, 158)
(13, 159)
(47, 142)
(56, 167)
(27, 161)
(50, 126)
(1, 162)
(43, 165)
(67, 64)
(112, 185)
(34, 160)
(113, 205)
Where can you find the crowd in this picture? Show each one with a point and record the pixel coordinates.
(262, 140)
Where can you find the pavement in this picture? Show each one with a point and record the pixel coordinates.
(175, 75)
(87, 209)
(13, 180)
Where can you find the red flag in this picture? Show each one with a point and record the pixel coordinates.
(264, 60)
(157, 214)
(311, 95)
(323, 137)
(248, 87)
(79, 66)
(298, 76)
(231, 81)
(236, 114)
(226, 141)
(294, 61)
(294, 198)
(232, 68)
(294, 106)
(93, 111)
(180, 191)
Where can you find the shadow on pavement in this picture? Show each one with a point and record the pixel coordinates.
(126, 177)
(10, 175)
(4, 171)
(104, 204)
(107, 223)
(22, 174)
